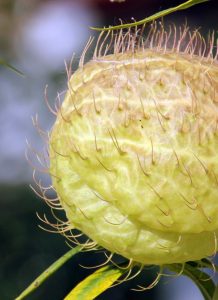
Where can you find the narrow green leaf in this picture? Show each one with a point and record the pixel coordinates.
(95, 284)
(201, 279)
(156, 16)
(48, 272)
(215, 295)
(4, 63)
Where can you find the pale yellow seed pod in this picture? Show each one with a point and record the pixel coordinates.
(133, 151)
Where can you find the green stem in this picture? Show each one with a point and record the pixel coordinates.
(158, 15)
(205, 263)
(48, 272)
(7, 65)
(201, 279)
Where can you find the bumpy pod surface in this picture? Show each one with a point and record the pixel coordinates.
(134, 147)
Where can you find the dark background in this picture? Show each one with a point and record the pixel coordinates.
(36, 37)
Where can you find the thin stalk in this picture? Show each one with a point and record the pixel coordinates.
(48, 272)
(156, 16)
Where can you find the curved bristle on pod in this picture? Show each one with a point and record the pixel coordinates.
(133, 151)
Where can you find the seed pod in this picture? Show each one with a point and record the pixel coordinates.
(133, 151)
